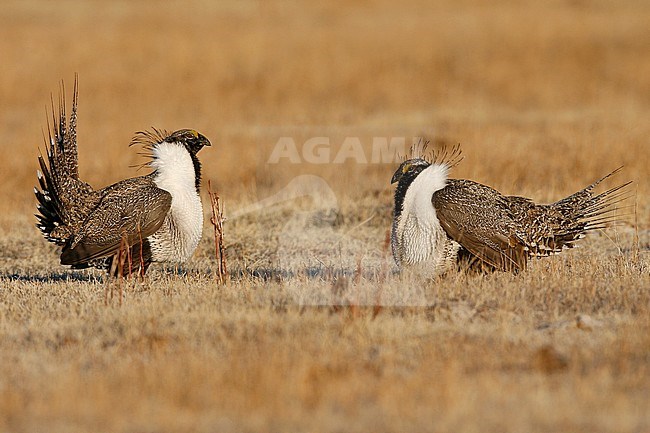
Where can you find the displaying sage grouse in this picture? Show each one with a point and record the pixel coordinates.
(439, 222)
(132, 223)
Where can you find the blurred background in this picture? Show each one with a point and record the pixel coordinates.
(543, 97)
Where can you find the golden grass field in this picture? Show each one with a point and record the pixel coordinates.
(543, 99)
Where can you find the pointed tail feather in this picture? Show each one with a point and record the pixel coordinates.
(559, 225)
(584, 211)
(585, 196)
(62, 197)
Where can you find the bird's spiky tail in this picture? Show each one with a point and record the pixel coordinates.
(62, 197)
(571, 218)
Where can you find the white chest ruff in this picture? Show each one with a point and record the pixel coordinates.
(420, 239)
(426, 247)
(181, 231)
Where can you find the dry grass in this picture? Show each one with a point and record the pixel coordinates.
(544, 100)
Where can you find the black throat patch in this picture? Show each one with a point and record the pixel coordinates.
(402, 186)
(197, 171)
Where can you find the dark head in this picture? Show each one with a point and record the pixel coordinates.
(192, 140)
(404, 176)
(409, 170)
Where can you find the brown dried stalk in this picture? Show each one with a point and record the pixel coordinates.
(217, 221)
(124, 258)
(142, 267)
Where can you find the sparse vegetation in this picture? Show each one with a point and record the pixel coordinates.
(544, 99)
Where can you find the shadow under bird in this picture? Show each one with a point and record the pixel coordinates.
(126, 226)
(440, 223)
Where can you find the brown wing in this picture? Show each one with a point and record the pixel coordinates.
(130, 210)
(474, 216)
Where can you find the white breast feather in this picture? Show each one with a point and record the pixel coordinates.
(181, 231)
(420, 236)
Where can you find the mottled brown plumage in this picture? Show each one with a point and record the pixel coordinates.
(64, 199)
(130, 210)
(468, 219)
(92, 226)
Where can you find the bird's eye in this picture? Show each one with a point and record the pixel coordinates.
(406, 168)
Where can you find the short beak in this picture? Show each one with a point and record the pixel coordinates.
(396, 177)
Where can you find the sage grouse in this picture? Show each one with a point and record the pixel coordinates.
(132, 223)
(439, 223)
